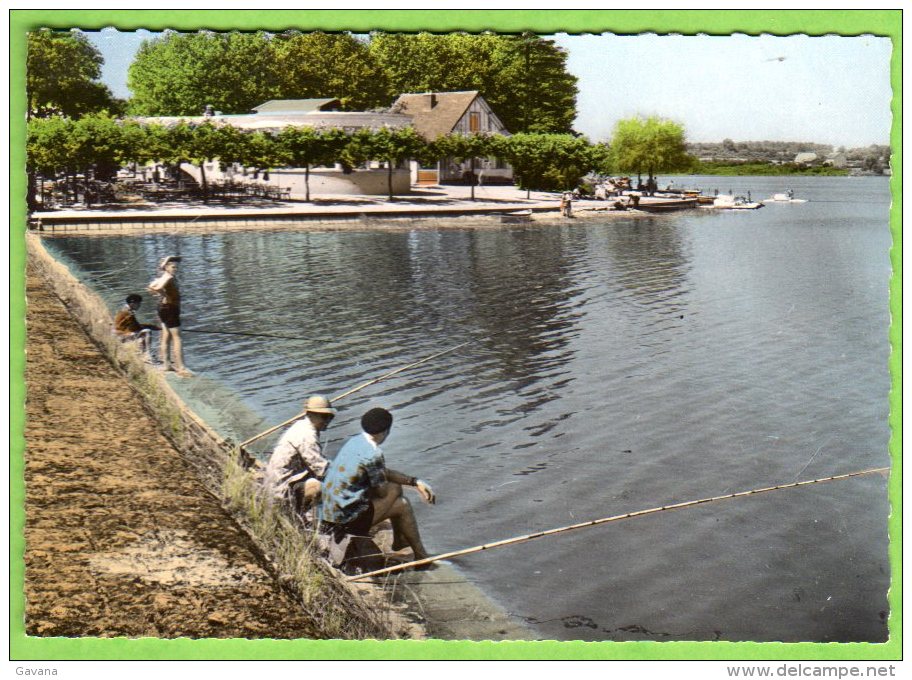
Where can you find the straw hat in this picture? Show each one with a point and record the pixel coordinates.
(168, 259)
(318, 404)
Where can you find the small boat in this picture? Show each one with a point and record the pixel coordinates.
(702, 199)
(787, 197)
(516, 217)
(726, 202)
(653, 205)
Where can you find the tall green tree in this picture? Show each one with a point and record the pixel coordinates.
(62, 73)
(649, 145)
(314, 65)
(524, 78)
(302, 147)
(535, 92)
(179, 74)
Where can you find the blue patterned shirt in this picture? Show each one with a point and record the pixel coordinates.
(357, 467)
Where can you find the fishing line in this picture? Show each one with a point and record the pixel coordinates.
(358, 388)
(252, 335)
(605, 520)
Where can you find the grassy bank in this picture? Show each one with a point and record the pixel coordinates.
(337, 611)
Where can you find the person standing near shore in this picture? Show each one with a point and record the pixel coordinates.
(166, 288)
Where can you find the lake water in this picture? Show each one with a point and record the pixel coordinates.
(614, 365)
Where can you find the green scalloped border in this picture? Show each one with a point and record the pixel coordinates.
(720, 22)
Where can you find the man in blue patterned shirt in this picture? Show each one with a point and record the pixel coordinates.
(359, 491)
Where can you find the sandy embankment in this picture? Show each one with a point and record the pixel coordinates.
(121, 538)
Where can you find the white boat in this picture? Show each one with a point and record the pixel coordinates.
(726, 202)
(787, 197)
(517, 216)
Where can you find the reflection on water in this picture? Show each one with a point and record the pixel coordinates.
(613, 366)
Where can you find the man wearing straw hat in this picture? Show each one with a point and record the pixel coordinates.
(359, 491)
(297, 465)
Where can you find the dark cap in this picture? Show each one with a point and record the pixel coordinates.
(376, 420)
(133, 297)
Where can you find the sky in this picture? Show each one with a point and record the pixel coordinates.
(826, 89)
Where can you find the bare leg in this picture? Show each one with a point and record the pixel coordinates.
(145, 344)
(390, 504)
(164, 345)
(384, 498)
(178, 353)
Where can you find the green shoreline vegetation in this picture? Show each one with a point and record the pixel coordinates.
(740, 169)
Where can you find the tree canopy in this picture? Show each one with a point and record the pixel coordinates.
(549, 162)
(61, 76)
(178, 74)
(524, 78)
(649, 145)
(312, 65)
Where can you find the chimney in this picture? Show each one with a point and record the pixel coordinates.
(432, 100)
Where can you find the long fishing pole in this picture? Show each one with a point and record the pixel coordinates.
(352, 391)
(604, 520)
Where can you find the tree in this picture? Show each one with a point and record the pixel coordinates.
(93, 146)
(548, 162)
(535, 92)
(46, 152)
(179, 74)
(601, 159)
(313, 65)
(302, 147)
(462, 148)
(524, 78)
(196, 144)
(392, 146)
(260, 150)
(62, 70)
(649, 144)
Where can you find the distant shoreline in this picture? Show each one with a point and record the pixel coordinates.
(766, 169)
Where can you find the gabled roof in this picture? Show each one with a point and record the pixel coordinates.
(434, 113)
(297, 105)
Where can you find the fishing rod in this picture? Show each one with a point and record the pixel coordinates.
(605, 520)
(352, 391)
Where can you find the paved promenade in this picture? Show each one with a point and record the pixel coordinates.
(420, 202)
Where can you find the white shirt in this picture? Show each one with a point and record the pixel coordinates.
(298, 452)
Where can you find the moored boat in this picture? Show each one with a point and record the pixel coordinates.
(727, 202)
(651, 204)
(516, 217)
